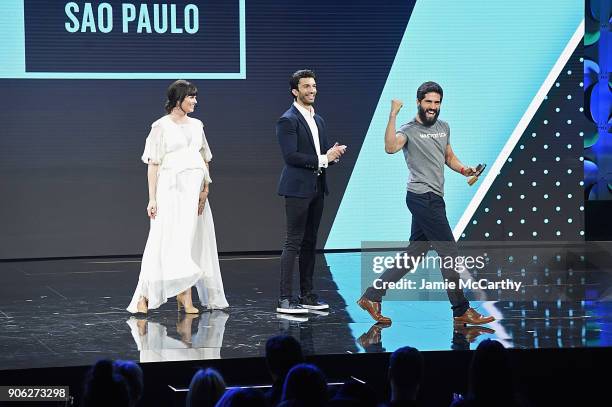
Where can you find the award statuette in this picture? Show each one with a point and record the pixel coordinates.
(479, 169)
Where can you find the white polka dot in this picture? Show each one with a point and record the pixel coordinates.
(486, 209)
(463, 235)
(558, 233)
(499, 221)
(510, 209)
(498, 197)
(582, 233)
(522, 147)
(545, 146)
(581, 109)
(557, 183)
(522, 196)
(569, 171)
(510, 234)
(522, 221)
(475, 222)
(545, 171)
(581, 158)
(557, 134)
(557, 84)
(569, 146)
(545, 196)
(569, 96)
(533, 134)
(558, 208)
(510, 184)
(581, 84)
(487, 234)
(545, 122)
(510, 159)
(521, 172)
(569, 72)
(569, 220)
(569, 121)
(569, 196)
(581, 133)
(557, 159)
(581, 183)
(533, 184)
(534, 209)
(557, 110)
(581, 208)
(533, 159)
(545, 220)
(535, 234)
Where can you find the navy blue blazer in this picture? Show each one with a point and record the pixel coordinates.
(299, 176)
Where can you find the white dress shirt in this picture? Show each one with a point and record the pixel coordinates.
(309, 117)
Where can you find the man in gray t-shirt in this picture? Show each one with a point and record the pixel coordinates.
(425, 152)
(425, 142)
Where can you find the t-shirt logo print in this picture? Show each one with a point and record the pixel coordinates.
(432, 135)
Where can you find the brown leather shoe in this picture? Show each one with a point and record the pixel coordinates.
(373, 308)
(472, 332)
(373, 336)
(472, 317)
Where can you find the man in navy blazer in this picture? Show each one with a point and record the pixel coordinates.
(307, 154)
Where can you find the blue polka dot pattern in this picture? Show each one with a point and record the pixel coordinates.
(538, 195)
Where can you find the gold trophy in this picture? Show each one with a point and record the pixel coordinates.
(479, 169)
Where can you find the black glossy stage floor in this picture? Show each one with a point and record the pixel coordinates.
(72, 313)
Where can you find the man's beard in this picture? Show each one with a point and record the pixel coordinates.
(423, 116)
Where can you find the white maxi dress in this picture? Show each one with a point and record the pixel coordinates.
(181, 250)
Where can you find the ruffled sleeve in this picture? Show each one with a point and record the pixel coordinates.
(206, 155)
(154, 149)
(205, 150)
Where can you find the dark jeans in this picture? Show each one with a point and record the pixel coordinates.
(303, 218)
(430, 228)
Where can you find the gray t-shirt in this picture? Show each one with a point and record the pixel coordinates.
(424, 152)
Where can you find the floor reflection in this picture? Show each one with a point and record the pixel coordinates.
(188, 337)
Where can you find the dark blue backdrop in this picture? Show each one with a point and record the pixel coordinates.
(72, 183)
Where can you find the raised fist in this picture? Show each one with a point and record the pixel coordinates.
(396, 106)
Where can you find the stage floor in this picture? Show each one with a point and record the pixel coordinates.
(72, 312)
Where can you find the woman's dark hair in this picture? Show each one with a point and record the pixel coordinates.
(238, 397)
(104, 387)
(294, 81)
(132, 373)
(177, 92)
(429, 87)
(305, 383)
(206, 388)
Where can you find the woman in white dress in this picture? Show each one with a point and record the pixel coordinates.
(181, 250)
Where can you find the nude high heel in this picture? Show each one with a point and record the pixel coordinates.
(189, 309)
(142, 306)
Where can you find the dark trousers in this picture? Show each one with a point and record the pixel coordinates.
(303, 219)
(430, 228)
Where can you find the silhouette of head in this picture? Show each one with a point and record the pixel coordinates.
(206, 388)
(307, 384)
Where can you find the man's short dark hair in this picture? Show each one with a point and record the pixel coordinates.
(429, 87)
(406, 367)
(282, 353)
(297, 75)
